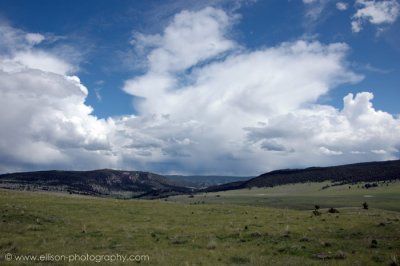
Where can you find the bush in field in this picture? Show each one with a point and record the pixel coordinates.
(316, 211)
(370, 185)
(333, 210)
(365, 205)
(374, 243)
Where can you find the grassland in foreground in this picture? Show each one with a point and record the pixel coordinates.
(183, 234)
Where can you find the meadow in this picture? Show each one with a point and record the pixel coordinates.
(223, 230)
(305, 196)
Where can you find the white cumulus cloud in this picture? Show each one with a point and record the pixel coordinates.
(34, 38)
(342, 6)
(206, 104)
(354, 133)
(217, 103)
(375, 12)
(45, 122)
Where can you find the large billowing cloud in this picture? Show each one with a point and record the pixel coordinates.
(44, 120)
(358, 132)
(221, 112)
(205, 105)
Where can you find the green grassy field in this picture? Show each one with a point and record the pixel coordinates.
(182, 234)
(305, 196)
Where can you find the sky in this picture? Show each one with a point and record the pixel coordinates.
(226, 87)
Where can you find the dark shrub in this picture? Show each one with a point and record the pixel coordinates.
(374, 243)
(369, 185)
(333, 210)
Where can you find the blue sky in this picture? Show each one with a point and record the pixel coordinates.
(198, 87)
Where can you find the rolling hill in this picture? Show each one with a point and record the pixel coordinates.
(104, 182)
(136, 184)
(350, 173)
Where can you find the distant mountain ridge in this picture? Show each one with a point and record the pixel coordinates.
(104, 182)
(350, 173)
(203, 181)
